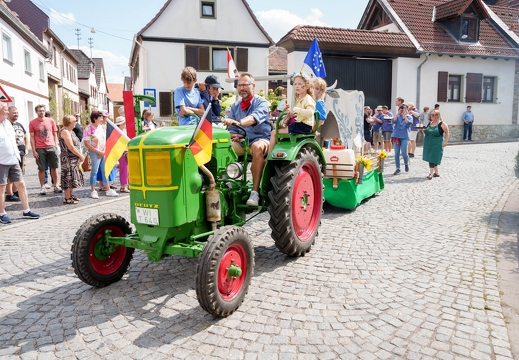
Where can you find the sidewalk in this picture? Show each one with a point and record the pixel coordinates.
(52, 203)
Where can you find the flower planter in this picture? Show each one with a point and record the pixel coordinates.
(361, 173)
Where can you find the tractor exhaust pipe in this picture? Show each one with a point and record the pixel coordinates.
(212, 200)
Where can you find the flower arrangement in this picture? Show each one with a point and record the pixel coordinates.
(367, 162)
(383, 155)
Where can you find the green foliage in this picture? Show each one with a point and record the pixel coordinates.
(85, 117)
(53, 106)
(517, 165)
(66, 105)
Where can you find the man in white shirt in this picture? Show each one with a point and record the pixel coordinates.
(10, 167)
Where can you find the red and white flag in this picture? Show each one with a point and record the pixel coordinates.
(232, 72)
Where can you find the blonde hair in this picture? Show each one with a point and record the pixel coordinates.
(145, 114)
(188, 74)
(68, 119)
(322, 86)
(306, 79)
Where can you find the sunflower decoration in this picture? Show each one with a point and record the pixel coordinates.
(367, 162)
(383, 155)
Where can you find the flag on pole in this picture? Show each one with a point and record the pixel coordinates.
(116, 143)
(314, 59)
(201, 143)
(232, 72)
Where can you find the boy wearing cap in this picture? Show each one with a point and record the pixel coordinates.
(187, 99)
(209, 92)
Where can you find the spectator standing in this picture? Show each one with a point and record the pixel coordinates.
(368, 120)
(71, 156)
(120, 121)
(424, 116)
(413, 111)
(468, 120)
(22, 141)
(378, 119)
(94, 142)
(44, 141)
(106, 180)
(387, 127)
(78, 129)
(10, 167)
(401, 137)
(252, 113)
(436, 138)
(187, 98)
(147, 121)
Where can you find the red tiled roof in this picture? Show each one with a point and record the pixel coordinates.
(508, 16)
(454, 8)
(507, 3)
(115, 92)
(278, 59)
(433, 36)
(332, 36)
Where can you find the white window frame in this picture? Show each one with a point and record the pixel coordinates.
(27, 61)
(41, 67)
(7, 48)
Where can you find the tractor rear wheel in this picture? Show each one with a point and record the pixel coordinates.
(296, 203)
(224, 271)
(95, 261)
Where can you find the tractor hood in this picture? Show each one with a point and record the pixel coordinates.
(175, 136)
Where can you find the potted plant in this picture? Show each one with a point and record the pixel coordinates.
(363, 163)
(382, 156)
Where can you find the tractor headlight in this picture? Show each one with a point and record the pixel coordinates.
(234, 170)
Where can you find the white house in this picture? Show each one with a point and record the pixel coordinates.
(196, 33)
(102, 86)
(22, 69)
(88, 85)
(61, 74)
(453, 53)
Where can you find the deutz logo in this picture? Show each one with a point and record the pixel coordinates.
(149, 206)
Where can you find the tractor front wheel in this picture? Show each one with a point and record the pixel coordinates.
(296, 203)
(95, 261)
(224, 271)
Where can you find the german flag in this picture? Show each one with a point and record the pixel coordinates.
(201, 144)
(116, 143)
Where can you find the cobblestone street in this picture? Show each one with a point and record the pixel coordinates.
(411, 273)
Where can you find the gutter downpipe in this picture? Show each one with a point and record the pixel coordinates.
(418, 80)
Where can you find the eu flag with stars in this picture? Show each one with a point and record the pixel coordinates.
(314, 59)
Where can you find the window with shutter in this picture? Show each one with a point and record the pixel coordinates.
(443, 82)
(204, 59)
(242, 59)
(166, 103)
(474, 87)
(192, 56)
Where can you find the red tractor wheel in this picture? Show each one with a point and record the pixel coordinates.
(95, 261)
(224, 271)
(296, 203)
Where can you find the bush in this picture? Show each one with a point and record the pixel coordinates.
(517, 165)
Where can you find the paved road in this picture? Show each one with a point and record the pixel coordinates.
(411, 273)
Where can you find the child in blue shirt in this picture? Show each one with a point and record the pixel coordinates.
(319, 88)
(187, 98)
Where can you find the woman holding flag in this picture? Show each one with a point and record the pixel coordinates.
(71, 156)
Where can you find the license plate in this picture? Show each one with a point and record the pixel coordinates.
(147, 216)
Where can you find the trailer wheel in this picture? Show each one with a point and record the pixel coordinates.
(296, 203)
(95, 261)
(224, 271)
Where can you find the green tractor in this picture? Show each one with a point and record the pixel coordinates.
(179, 208)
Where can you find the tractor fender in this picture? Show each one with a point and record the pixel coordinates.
(291, 149)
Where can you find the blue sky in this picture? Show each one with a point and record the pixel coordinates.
(116, 21)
